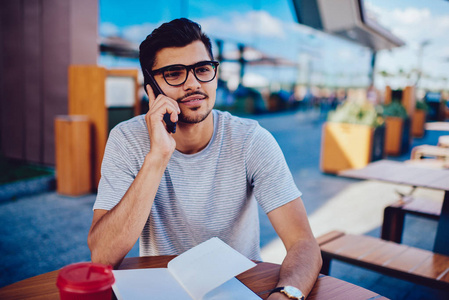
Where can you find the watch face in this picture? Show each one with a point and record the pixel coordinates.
(293, 292)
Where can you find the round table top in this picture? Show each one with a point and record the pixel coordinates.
(261, 279)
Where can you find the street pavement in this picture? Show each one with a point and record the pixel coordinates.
(47, 231)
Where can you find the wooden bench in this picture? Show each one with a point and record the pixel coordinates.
(443, 141)
(422, 151)
(396, 260)
(394, 215)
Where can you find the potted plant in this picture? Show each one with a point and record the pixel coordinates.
(397, 128)
(352, 137)
(419, 119)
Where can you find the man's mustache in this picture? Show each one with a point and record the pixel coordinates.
(190, 94)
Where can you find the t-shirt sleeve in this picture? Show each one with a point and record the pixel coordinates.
(268, 172)
(116, 172)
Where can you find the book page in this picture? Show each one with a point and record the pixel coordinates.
(232, 289)
(207, 266)
(152, 283)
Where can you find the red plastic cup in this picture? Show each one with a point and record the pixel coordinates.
(85, 281)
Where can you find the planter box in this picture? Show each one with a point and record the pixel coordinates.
(397, 135)
(348, 146)
(73, 155)
(418, 122)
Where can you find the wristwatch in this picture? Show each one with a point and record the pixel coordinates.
(290, 291)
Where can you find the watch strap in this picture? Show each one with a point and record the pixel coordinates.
(282, 290)
(275, 290)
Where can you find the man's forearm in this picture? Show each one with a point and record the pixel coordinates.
(116, 232)
(300, 267)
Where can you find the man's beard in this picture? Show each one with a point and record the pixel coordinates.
(193, 119)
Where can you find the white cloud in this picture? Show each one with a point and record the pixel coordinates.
(137, 33)
(261, 23)
(411, 15)
(412, 24)
(108, 29)
(250, 24)
(244, 27)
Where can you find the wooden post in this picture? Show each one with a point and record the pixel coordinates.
(409, 100)
(73, 155)
(393, 135)
(418, 122)
(387, 98)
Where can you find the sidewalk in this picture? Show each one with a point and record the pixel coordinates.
(45, 232)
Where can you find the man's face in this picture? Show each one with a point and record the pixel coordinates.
(195, 99)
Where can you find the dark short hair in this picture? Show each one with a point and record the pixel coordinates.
(177, 33)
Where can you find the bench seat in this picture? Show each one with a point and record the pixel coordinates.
(421, 151)
(389, 258)
(394, 215)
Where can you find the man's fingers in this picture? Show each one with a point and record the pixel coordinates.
(150, 93)
(161, 99)
(164, 107)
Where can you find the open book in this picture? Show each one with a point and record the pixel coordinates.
(204, 272)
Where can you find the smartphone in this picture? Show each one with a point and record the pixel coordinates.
(171, 126)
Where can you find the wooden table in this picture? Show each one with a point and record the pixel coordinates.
(409, 174)
(260, 279)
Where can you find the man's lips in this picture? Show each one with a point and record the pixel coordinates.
(192, 98)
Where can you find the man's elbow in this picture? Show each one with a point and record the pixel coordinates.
(319, 258)
(98, 255)
(319, 261)
(100, 258)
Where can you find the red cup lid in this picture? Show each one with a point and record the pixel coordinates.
(85, 277)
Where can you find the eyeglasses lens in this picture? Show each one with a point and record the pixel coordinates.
(178, 74)
(205, 72)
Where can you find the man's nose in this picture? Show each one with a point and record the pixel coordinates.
(191, 81)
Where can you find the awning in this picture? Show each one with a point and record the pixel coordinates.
(347, 19)
(118, 46)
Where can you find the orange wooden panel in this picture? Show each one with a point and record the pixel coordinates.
(409, 100)
(345, 146)
(393, 135)
(434, 267)
(410, 259)
(73, 155)
(384, 253)
(418, 122)
(387, 99)
(87, 97)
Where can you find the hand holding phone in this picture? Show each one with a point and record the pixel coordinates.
(170, 126)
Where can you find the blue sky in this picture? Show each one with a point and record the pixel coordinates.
(271, 27)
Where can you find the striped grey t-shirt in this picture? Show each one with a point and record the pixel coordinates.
(210, 193)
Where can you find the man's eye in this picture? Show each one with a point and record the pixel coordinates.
(172, 74)
(203, 69)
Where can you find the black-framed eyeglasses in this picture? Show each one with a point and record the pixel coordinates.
(174, 75)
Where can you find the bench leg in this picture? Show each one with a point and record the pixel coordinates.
(393, 224)
(325, 268)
